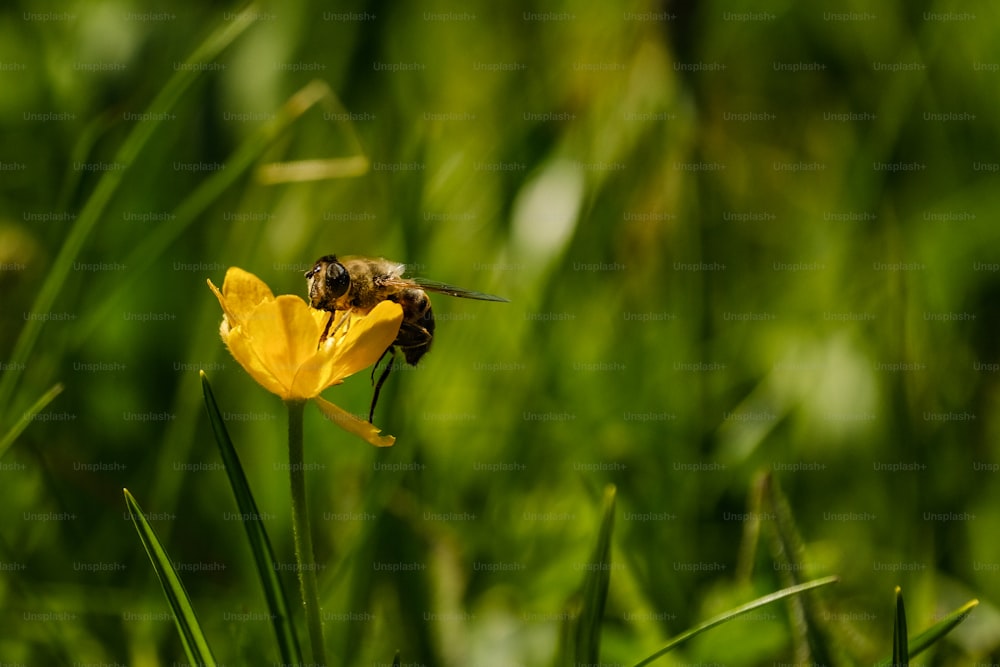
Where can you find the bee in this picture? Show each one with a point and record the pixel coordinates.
(358, 284)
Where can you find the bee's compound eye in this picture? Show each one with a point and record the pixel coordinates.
(337, 279)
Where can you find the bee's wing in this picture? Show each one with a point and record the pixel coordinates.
(443, 288)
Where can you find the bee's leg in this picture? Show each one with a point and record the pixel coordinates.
(375, 366)
(326, 330)
(345, 322)
(381, 379)
(414, 340)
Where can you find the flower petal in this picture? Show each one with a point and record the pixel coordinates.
(242, 291)
(318, 372)
(345, 420)
(243, 350)
(227, 316)
(367, 339)
(284, 335)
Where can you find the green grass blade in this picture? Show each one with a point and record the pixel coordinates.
(260, 545)
(751, 531)
(26, 418)
(566, 652)
(193, 639)
(811, 642)
(900, 651)
(582, 629)
(733, 613)
(595, 586)
(922, 642)
(395, 661)
(94, 207)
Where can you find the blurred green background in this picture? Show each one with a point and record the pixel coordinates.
(733, 241)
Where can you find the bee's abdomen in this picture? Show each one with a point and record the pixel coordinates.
(426, 326)
(417, 330)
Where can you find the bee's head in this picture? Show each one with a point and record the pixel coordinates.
(328, 281)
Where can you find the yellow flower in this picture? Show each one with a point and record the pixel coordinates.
(276, 340)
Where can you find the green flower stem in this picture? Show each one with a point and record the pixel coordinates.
(301, 528)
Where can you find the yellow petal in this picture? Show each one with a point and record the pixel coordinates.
(367, 339)
(345, 420)
(283, 336)
(227, 317)
(243, 350)
(318, 371)
(242, 291)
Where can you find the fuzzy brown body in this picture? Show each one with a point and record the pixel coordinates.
(371, 281)
(361, 283)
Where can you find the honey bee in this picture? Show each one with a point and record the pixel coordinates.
(358, 284)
